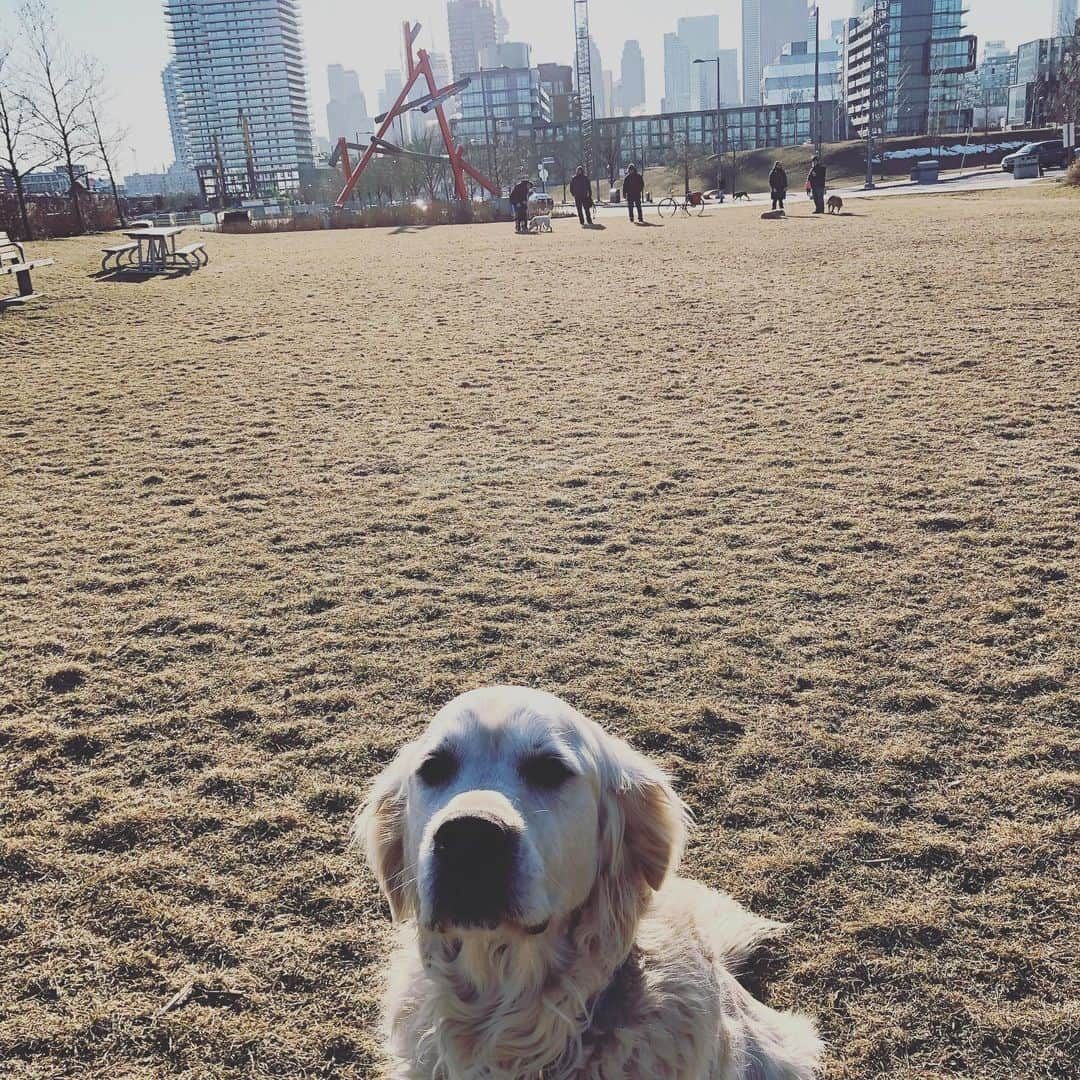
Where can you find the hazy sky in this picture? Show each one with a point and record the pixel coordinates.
(128, 37)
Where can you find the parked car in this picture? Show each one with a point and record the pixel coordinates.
(1052, 155)
(540, 202)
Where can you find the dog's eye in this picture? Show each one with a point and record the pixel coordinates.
(547, 771)
(438, 768)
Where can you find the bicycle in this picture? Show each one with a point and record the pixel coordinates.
(694, 202)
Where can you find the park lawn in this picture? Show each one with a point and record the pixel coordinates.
(790, 505)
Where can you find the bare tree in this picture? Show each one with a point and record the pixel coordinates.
(106, 143)
(58, 94)
(431, 172)
(686, 160)
(1065, 95)
(14, 139)
(607, 150)
(511, 161)
(566, 154)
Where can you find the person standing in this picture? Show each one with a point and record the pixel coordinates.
(632, 187)
(581, 189)
(815, 181)
(778, 186)
(519, 200)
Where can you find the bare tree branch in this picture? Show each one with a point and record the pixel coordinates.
(14, 138)
(58, 94)
(107, 142)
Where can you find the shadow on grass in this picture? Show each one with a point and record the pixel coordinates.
(814, 217)
(126, 276)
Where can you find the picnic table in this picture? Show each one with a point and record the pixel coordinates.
(153, 251)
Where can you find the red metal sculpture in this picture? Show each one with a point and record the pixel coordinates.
(420, 67)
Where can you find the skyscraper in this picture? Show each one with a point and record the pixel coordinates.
(676, 75)
(181, 152)
(557, 81)
(632, 76)
(601, 105)
(729, 77)
(767, 25)
(511, 54)
(393, 82)
(502, 24)
(924, 72)
(346, 111)
(1063, 18)
(241, 84)
(701, 36)
(472, 26)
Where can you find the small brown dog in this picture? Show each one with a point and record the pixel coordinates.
(740, 195)
(835, 204)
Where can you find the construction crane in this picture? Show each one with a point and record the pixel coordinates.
(249, 157)
(583, 67)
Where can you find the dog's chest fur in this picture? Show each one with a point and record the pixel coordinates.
(640, 1024)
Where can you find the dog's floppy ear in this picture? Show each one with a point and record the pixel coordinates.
(379, 831)
(654, 819)
(642, 830)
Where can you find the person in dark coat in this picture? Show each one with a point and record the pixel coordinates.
(581, 189)
(815, 180)
(632, 188)
(519, 200)
(778, 186)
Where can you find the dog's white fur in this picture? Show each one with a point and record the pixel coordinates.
(541, 223)
(632, 978)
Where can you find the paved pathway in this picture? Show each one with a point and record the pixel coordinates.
(974, 180)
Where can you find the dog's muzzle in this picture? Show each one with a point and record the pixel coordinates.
(475, 859)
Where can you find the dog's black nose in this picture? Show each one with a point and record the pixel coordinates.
(474, 840)
(474, 869)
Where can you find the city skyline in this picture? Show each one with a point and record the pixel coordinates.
(369, 42)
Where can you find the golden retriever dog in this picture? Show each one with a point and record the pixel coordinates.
(528, 860)
(835, 204)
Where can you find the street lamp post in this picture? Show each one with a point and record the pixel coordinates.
(817, 76)
(484, 106)
(719, 164)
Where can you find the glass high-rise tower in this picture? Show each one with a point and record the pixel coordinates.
(928, 54)
(241, 92)
(767, 26)
(1063, 18)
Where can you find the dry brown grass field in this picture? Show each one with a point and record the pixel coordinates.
(790, 505)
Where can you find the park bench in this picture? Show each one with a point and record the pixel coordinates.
(117, 252)
(13, 261)
(193, 251)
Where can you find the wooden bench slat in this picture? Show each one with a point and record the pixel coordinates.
(114, 252)
(18, 268)
(194, 250)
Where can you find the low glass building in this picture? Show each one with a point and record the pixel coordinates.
(499, 102)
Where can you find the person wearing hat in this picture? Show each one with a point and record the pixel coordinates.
(581, 189)
(632, 187)
(778, 186)
(519, 200)
(815, 181)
